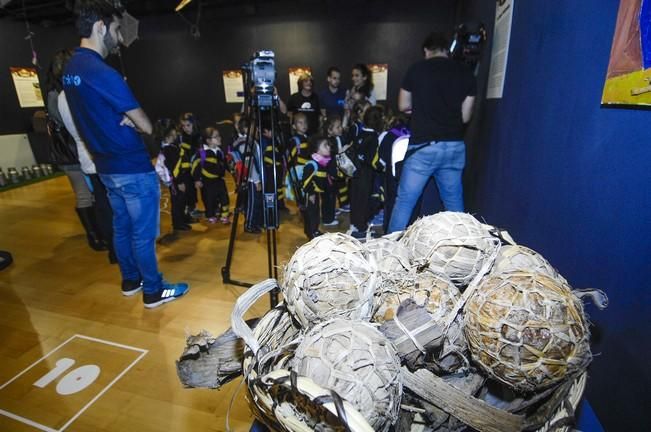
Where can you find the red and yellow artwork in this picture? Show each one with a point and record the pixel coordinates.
(628, 81)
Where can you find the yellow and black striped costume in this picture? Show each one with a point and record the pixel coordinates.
(267, 157)
(341, 180)
(180, 172)
(209, 167)
(317, 185)
(299, 152)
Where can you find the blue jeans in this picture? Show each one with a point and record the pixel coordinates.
(135, 199)
(445, 161)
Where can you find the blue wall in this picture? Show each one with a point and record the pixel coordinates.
(573, 180)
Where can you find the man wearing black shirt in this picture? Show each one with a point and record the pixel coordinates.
(439, 93)
(307, 102)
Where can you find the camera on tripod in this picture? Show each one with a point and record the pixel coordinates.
(469, 39)
(261, 74)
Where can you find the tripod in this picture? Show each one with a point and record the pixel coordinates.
(254, 159)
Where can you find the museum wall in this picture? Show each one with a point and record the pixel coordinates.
(570, 179)
(171, 72)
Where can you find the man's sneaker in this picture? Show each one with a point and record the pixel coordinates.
(130, 288)
(332, 223)
(212, 220)
(225, 220)
(344, 208)
(169, 292)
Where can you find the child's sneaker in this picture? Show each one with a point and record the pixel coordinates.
(212, 220)
(130, 288)
(168, 292)
(378, 219)
(332, 223)
(225, 220)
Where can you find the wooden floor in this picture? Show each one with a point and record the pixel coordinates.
(58, 288)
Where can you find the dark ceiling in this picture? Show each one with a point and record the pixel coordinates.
(59, 12)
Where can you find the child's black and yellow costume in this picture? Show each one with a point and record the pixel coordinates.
(178, 166)
(362, 204)
(209, 167)
(341, 181)
(316, 182)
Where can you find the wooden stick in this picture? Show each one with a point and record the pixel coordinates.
(470, 410)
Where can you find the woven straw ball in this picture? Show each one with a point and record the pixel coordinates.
(391, 256)
(517, 258)
(330, 276)
(429, 289)
(357, 361)
(453, 243)
(527, 330)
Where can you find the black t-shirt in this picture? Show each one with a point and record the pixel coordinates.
(438, 87)
(308, 105)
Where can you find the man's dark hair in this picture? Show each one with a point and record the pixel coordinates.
(90, 11)
(436, 41)
(332, 69)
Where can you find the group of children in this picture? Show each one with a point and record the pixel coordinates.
(335, 171)
(190, 162)
(358, 175)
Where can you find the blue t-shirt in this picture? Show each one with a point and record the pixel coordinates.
(333, 102)
(98, 97)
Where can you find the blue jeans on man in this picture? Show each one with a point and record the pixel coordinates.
(443, 160)
(135, 199)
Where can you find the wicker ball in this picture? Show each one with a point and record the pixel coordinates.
(527, 330)
(391, 256)
(517, 258)
(453, 243)
(355, 360)
(329, 277)
(429, 289)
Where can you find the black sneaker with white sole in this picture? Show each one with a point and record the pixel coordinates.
(130, 288)
(169, 292)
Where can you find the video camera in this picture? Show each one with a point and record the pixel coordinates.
(261, 71)
(468, 42)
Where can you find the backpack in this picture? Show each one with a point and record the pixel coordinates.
(162, 171)
(63, 149)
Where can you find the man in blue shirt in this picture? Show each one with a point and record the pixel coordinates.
(333, 98)
(109, 119)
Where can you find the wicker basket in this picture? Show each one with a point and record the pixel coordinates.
(278, 398)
